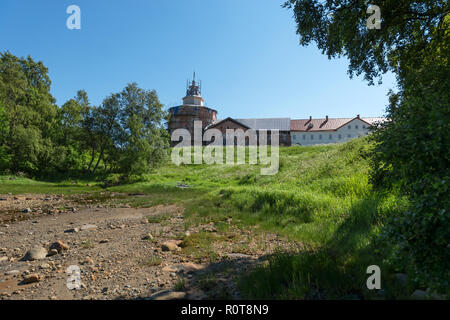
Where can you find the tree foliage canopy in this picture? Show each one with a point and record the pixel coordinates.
(338, 28)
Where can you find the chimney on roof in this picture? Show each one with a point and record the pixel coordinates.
(323, 123)
(310, 119)
(358, 116)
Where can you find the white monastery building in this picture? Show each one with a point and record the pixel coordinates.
(311, 131)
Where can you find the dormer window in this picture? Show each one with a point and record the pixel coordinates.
(349, 127)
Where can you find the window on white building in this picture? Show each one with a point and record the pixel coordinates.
(349, 127)
(295, 137)
(320, 137)
(331, 137)
(304, 136)
(312, 137)
(340, 136)
(356, 127)
(349, 136)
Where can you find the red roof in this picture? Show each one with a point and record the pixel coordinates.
(332, 124)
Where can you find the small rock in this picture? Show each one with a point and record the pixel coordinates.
(148, 236)
(88, 227)
(44, 266)
(52, 252)
(59, 246)
(3, 259)
(168, 295)
(72, 230)
(169, 269)
(88, 261)
(188, 267)
(26, 210)
(419, 295)
(104, 241)
(12, 272)
(35, 253)
(31, 278)
(170, 246)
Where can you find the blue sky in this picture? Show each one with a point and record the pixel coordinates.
(245, 52)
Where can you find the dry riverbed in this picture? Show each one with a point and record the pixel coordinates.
(121, 252)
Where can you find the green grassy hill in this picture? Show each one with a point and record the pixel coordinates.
(321, 197)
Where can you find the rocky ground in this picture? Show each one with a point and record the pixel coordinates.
(120, 252)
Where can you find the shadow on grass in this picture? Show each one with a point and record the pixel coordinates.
(337, 269)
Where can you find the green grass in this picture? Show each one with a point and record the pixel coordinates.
(152, 261)
(180, 285)
(17, 185)
(320, 197)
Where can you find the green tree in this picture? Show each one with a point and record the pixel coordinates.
(31, 115)
(412, 147)
(145, 142)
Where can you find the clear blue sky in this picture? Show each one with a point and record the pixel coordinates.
(246, 53)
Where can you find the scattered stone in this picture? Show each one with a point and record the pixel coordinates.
(88, 227)
(26, 210)
(12, 272)
(148, 236)
(419, 295)
(169, 269)
(72, 230)
(3, 259)
(104, 241)
(52, 252)
(59, 246)
(168, 295)
(31, 278)
(170, 246)
(188, 267)
(45, 266)
(88, 261)
(35, 253)
(239, 256)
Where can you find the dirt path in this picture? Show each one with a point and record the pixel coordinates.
(122, 253)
